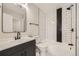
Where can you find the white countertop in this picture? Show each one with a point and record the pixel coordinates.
(9, 44)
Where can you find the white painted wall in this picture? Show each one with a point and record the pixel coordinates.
(42, 25)
(51, 24)
(32, 17)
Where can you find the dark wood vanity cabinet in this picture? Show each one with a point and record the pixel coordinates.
(24, 49)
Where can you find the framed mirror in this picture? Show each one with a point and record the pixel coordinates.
(13, 18)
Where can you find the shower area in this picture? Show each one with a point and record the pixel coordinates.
(61, 29)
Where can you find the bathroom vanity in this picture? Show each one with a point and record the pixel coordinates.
(18, 48)
(14, 21)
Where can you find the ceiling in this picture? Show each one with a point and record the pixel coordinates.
(47, 7)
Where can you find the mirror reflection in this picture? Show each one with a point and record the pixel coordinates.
(14, 17)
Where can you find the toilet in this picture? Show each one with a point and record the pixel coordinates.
(41, 48)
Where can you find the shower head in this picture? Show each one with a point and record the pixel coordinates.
(69, 7)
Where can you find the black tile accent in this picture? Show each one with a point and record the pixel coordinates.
(59, 25)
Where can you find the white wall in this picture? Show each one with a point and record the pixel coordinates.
(32, 17)
(51, 24)
(42, 25)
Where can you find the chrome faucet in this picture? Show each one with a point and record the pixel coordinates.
(18, 36)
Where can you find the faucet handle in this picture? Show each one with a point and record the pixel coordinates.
(19, 35)
(15, 38)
